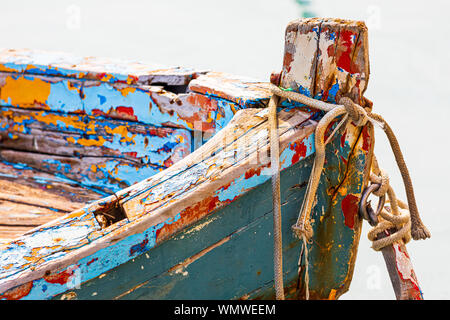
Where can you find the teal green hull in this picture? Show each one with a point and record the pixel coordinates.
(240, 266)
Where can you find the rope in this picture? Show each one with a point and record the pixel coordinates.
(359, 116)
(305, 243)
(275, 165)
(407, 222)
(418, 229)
(399, 219)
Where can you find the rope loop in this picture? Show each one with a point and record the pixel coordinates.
(395, 219)
(400, 224)
(355, 111)
(383, 181)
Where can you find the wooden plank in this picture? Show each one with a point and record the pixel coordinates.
(300, 55)
(47, 93)
(94, 68)
(401, 272)
(29, 199)
(338, 44)
(147, 104)
(214, 99)
(7, 233)
(79, 136)
(15, 213)
(107, 175)
(246, 92)
(37, 183)
(102, 153)
(343, 63)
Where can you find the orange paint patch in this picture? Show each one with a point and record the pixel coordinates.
(25, 92)
(70, 86)
(332, 295)
(251, 172)
(8, 266)
(91, 142)
(125, 91)
(206, 106)
(18, 292)
(55, 119)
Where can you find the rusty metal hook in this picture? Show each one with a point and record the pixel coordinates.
(365, 209)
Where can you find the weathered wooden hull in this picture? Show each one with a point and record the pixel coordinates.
(200, 227)
(226, 255)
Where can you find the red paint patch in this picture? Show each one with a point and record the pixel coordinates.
(300, 151)
(126, 112)
(344, 51)
(288, 58)
(350, 206)
(188, 216)
(168, 162)
(366, 139)
(330, 50)
(159, 132)
(61, 278)
(403, 251)
(131, 154)
(410, 282)
(18, 292)
(92, 261)
(140, 247)
(202, 101)
(98, 112)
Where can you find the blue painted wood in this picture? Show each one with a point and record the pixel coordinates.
(61, 64)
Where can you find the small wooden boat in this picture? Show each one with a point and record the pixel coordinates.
(122, 180)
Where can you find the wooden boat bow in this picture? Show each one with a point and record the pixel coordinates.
(168, 235)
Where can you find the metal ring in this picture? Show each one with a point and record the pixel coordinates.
(365, 209)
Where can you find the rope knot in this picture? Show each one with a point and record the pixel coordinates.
(397, 224)
(355, 111)
(383, 180)
(303, 230)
